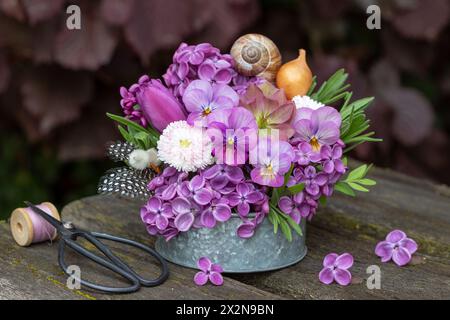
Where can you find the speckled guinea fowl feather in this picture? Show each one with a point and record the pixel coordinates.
(119, 151)
(127, 182)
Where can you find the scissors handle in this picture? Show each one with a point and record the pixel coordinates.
(112, 262)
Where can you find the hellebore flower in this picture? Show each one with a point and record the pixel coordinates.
(233, 132)
(270, 108)
(336, 269)
(397, 247)
(209, 271)
(274, 160)
(243, 197)
(317, 127)
(158, 104)
(201, 98)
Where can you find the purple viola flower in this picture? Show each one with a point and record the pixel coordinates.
(295, 206)
(304, 154)
(196, 189)
(233, 132)
(186, 212)
(273, 161)
(201, 98)
(332, 157)
(313, 180)
(397, 247)
(244, 196)
(208, 271)
(157, 213)
(317, 127)
(220, 175)
(158, 104)
(219, 210)
(336, 269)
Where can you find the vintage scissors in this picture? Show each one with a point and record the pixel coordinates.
(69, 234)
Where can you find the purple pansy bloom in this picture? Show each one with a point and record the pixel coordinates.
(317, 127)
(209, 271)
(336, 269)
(397, 247)
(156, 212)
(274, 160)
(186, 212)
(201, 98)
(232, 132)
(244, 196)
(220, 175)
(333, 159)
(196, 189)
(217, 211)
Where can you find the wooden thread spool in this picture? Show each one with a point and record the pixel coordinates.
(22, 228)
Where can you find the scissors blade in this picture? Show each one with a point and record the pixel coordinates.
(54, 222)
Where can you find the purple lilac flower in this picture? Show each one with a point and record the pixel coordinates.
(333, 159)
(220, 175)
(129, 102)
(312, 180)
(196, 189)
(202, 99)
(247, 229)
(232, 132)
(317, 127)
(208, 271)
(304, 154)
(186, 212)
(274, 160)
(397, 247)
(219, 210)
(244, 196)
(156, 212)
(296, 206)
(336, 269)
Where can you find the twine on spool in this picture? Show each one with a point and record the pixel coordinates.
(28, 227)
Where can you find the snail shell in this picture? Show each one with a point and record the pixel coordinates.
(256, 55)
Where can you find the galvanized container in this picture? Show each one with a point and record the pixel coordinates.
(265, 251)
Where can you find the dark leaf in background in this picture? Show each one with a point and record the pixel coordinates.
(87, 138)
(425, 20)
(13, 8)
(88, 48)
(54, 96)
(413, 114)
(158, 24)
(116, 12)
(40, 10)
(4, 72)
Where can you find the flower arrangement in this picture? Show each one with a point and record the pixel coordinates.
(237, 134)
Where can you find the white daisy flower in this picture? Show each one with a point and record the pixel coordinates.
(184, 147)
(306, 102)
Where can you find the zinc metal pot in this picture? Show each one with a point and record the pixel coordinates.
(265, 251)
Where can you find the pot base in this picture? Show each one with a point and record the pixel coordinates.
(265, 251)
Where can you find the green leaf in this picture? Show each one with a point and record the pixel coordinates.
(284, 226)
(357, 173)
(344, 188)
(297, 188)
(323, 201)
(313, 86)
(357, 187)
(294, 225)
(367, 182)
(288, 174)
(126, 122)
(125, 134)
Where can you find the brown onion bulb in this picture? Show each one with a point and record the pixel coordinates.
(256, 55)
(295, 77)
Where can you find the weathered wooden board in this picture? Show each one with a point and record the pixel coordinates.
(33, 272)
(346, 224)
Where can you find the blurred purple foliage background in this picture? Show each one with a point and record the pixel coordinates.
(57, 84)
